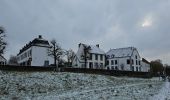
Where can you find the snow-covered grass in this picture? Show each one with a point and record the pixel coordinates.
(66, 86)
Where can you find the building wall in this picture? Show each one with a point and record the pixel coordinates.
(145, 67)
(137, 61)
(24, 56)
(97, 64)
(119, 63)
(123, 65)
(79, 62)
(38, 56)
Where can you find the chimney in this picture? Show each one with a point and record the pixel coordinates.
(79, 45)
(97, 45)
(40, 36)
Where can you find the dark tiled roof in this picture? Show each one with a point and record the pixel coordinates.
(144, 60)
(36, 42)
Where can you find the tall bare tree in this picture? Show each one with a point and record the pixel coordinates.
(3, 43)
(56, 52)
(70, 56)
(86, 54)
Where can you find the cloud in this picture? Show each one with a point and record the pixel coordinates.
(112, 23)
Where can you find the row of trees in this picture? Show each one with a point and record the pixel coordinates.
(157, 68)
(3, 43)
(58, 53)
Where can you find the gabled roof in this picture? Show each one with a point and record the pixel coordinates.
(121, 52)
(94, 49)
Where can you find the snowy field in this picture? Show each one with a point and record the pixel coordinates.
(72, 86)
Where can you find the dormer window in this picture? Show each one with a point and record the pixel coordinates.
(136, 57)
(113, 56)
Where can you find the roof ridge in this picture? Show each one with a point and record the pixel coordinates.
(122, 48)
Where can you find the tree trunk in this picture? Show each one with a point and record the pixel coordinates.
(55, 57)
(85, 58)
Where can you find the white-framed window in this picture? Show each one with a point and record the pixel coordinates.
(112, 62)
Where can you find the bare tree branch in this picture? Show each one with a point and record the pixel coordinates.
(55, 51)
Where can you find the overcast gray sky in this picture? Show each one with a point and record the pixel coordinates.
(144, 24)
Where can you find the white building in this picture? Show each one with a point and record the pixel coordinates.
(95, 57)
(35, 53)
(127, 59)
(3, 61)
(145, 65)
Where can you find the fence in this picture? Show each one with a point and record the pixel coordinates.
(26, 68)
(108, 72)
(77, 70)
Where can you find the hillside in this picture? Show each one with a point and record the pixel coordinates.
(64, 86)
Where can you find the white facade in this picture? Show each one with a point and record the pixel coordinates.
(35, 53)
(95, 60)
(3, 61)
(127, 59)
(145, 65)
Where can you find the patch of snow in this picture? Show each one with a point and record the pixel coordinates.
(74, 86)
(163, 93)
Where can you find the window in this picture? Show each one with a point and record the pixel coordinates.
(112, 67)
(136, 57)
(30, 52)
(107, 62)
(115, 62)
(96, 57)
(132, 62)
(137, 69)
(116, 68)
(101, 65)
(90, 56)
(128, 61)
(90, 65)
(101, 57)
(112, 62)
(136, 62)
(132, 68)
(139, 62)
(113, 56)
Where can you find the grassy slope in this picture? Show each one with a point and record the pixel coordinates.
(52, 85)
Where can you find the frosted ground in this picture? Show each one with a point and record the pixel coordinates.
(72, 86)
